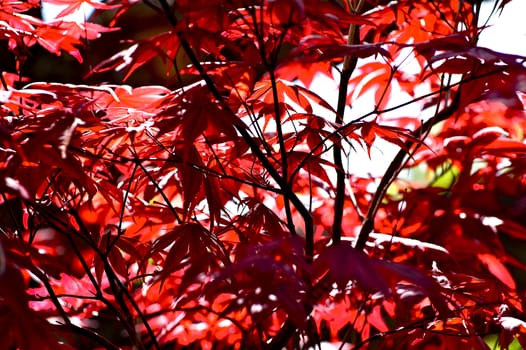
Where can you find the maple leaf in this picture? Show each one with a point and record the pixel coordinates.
(206, 211)
(398, 136)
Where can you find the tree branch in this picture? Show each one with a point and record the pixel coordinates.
(395, 167)
(241, 128)
(349, 64)
(339, 199)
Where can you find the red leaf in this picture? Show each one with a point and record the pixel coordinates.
(344, 264)
(312, 50)
(164, 45)
(392, 134)
(312, 165)
(497, 269)
(191, 180)
(398, 272)
(188, 240)
(451, 43)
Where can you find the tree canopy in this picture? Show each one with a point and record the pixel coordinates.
(172, 177)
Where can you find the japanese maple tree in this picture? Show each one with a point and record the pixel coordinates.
(190, 185)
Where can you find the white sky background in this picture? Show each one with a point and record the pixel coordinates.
(506, 33)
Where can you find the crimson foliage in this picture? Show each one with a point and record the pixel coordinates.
(222, 208)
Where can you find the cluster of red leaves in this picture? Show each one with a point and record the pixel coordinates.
(143, 217)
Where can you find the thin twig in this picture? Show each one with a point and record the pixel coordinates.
(120, 231)
(160, 190)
